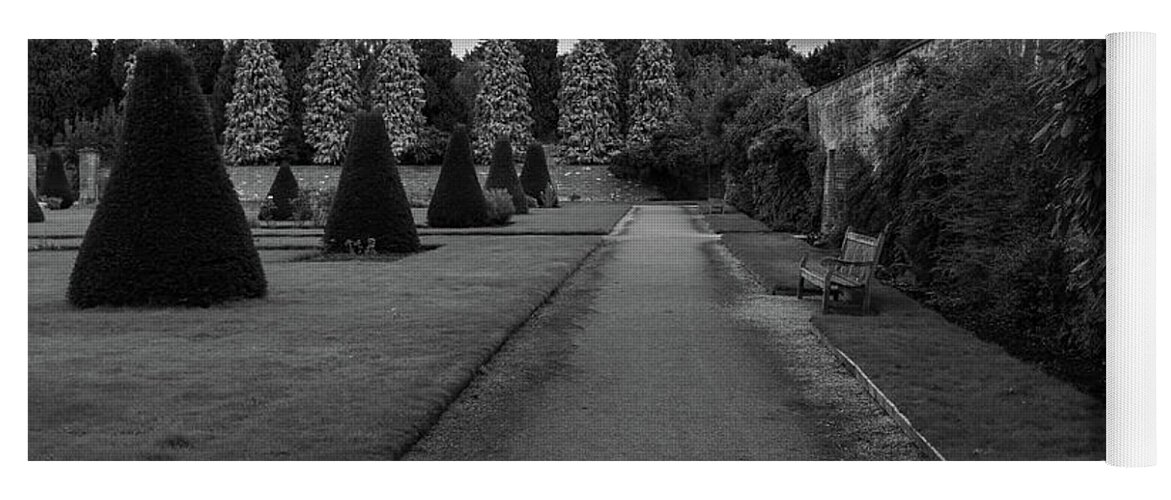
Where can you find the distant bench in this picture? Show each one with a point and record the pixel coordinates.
(852, 270)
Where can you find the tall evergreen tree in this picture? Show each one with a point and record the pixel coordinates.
(397, 88)
(57, 85)
(169, 229)
(502, 104)
(371, 202)
(589, 105)
(123, 49)
(331, 98)
(295, 55)
(258, 112)
(222, 91)
(102, 90)
(502, 175)
(622, 53)
(438, 67)
(458, 200)
(206, 55)
(654, 91)
(544, 72)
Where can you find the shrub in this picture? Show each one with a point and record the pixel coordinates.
(428, 150)
(57, 183)
(675, 159)
(534, 177)
(589, 105)
(170, 229)
(500, 206)
(35, 214)
(502, 175)
(458, 200)
(259, 109)
(282, 193)
(370, 203)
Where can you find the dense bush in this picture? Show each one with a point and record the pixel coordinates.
(282, 193)
(967, 192)
(458, 200)
(169, 229)
(57, 184)
(370, 203)
(331, 98)
(258, 113)
(534, 177)
(502, 175)
(589, 105)
(35, 214)
(500, 206)
(675, 159)
(428, 149)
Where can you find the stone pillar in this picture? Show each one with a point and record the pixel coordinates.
(88, 159)
(32, 173)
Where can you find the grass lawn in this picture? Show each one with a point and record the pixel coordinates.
(969, 398)
(63, 229)
(342, 360)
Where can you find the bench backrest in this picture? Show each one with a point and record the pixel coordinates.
(859, 247)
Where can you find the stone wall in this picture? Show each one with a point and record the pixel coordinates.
(846, 116)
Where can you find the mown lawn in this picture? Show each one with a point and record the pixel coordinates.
(969, 398)
(342, 360)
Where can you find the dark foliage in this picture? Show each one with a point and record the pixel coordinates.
(458, 200)
(544, 72)
(294, 57)
(283, 191)
(371, 203)
(622, 53)
(222, 91)
(102, 90)
(438, 67)
(686, 52)
(35, 214)
(57, 184)
(676, 160)
(534, 177)
(841, 57)
(502, 175)
(428, 150)
(58, 76)
(169, 230)
(206, 56)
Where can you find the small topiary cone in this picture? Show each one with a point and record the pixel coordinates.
(535, 176)
(502, 175)
(283, 191)
(458, 200)
(35, 214)
(371, 202)
(170, 229)
(57, 182)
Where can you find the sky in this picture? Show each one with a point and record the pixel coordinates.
(461, 46)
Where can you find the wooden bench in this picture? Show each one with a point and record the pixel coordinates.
(851, 271)
(714, 204)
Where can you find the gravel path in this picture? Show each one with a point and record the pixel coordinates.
(661, 348)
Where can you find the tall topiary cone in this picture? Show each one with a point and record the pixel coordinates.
(458, 200)
(534, 178)
(34, 209)
(283, 191)
(502, 175)
(169, 229)
(370, 200)
(56, 182)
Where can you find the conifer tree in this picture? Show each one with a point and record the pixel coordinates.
(502, 107)
(169, 229)
(502, 175)
(35, 214)
(654, 91)
(283, 191)
(535, 179)
(371, 204)
(589, 105)
(258, 111)
(222, 90)
(398, 89)
(331, 98)
(458, 200)
(57, 181)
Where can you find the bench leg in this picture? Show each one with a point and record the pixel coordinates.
(825, 297)
(866, 300)
(800, 286)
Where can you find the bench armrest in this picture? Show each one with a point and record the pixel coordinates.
(842, 262)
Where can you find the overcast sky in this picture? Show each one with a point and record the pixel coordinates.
(462, 46)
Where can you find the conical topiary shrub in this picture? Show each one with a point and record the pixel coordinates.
(283, 191)
(502, 175)
(458, 200)
(56, 182)
(370, 204)
(169, 229)
(534, 178)
(34, 209)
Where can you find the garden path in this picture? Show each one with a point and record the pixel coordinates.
(642, 357)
